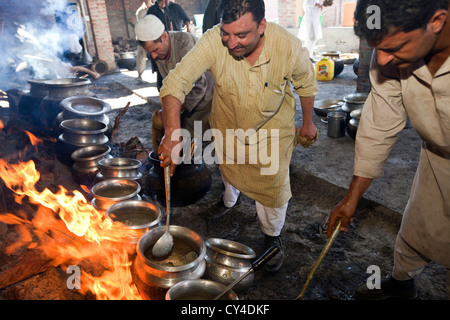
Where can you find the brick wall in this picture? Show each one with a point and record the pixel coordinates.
(102, 33)
(288, 13)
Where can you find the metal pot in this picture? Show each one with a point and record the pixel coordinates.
(85, 167)
(127, 168)
(129, 64)
(58, 90)
(227, 261)
(186, 261)
(352, 125)
(354, 101)
(85, 107)
(137, 215)
(199, 289)
(127, 55)
(29, 103)
(110, 191)
(189, 183)
(84, 131)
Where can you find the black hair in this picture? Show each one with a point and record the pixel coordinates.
(406, 15)
(232, 10)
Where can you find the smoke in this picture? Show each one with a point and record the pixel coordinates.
(34, 42)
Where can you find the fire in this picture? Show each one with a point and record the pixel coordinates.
(1, 125)
(92, 235)
(33, 139)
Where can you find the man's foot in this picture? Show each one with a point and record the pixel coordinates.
(218, 210)
(276, 262)
(389, 289)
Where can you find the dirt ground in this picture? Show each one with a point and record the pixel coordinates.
(319, 178)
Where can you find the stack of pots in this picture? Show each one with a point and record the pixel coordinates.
(85, 107)
(79, 133)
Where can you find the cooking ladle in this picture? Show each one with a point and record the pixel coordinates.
(164, 245)
(261, 261)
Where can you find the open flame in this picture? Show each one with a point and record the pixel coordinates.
(92, 235)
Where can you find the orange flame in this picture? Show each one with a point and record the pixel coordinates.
(94, 236)
(1, 125)
(33, 139)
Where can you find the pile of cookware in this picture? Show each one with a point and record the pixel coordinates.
(341, 115)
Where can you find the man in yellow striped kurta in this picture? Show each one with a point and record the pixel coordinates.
(253, 63)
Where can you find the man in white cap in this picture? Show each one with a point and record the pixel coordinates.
(167, 48)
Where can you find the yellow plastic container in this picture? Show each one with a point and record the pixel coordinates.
(325, 69)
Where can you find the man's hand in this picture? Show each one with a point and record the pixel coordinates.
(169, 151)
(347, 206)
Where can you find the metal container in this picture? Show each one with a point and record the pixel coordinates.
(83, 131)
(199, 289)
(322, 107)
(186, 261)
(127, 168)
(85, 107)
(111, 191)
(227, 261)
(137, 215)
(336, 124)
(354, 101)
(85, 166)
(58, 90)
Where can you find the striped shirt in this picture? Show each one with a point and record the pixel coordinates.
(257, 99)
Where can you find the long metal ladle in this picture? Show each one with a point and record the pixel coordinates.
(325, 249)
(164, 245)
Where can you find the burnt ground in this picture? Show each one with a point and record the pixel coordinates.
(319, 178)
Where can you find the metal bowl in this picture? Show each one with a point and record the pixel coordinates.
(199, 289)
(136, 215)
(119, 168)
(110, 191)
(322, 107)
(175, 268)
(227, 261)
(86, 159)
(84, 131)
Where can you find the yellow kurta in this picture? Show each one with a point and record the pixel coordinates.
(257, 99)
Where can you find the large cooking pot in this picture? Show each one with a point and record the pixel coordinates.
(189, 183)
(227, 261)
(353, 101)
(185, 262)
(85, 107)
(28, 106)
(58, 90)
(136, 215)
(85, 166)
(127, 168)
(111, 191)
(84, 131)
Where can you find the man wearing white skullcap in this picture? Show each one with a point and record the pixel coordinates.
(167, 48)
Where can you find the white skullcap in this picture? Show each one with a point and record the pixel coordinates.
(149, 28)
